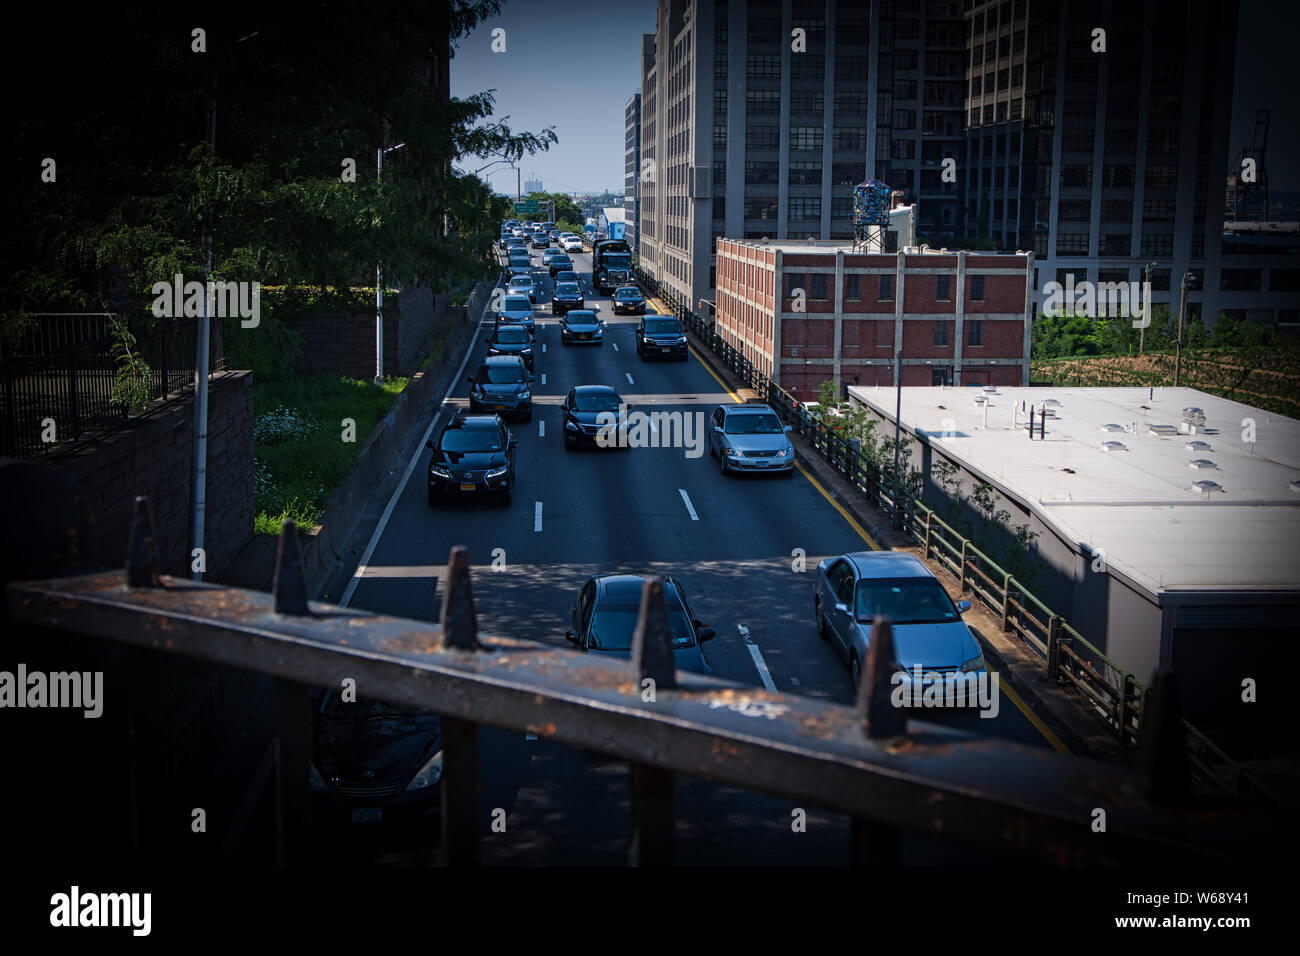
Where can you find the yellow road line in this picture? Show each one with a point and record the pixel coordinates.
(1030, 716)
(838, 507)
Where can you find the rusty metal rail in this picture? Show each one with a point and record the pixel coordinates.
(871, 762)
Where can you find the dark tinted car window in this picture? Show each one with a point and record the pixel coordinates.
(751, 424)
(663, 326)
(471, 439)
(517, 303)
(905, 600)
(512, 337)
(567, 288)
(501, 374)
(612, 627)
(595, 402)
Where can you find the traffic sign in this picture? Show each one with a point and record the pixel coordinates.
(526, 207)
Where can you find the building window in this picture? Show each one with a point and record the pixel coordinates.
(819, 285)
(853, 104)
(853, 287)
(1072, 244)
(1157, 245)
(761, 171)
(762, 137)
(807, 101)
(805, 137)
(942, 290)
(808, 66)
(855, 67)
(803, 207)
(762, 102)
(793, 281)
(805, 174)
(720, 66)
(764, 208)
(884, 335)
(886, 292)
(977, 288)
(719, 172)
(763, 66)
(940, 333)
(975, 332)
(719, 102)
(719, 137)
(1241, 280)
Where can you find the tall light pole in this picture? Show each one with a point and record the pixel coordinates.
(1182, 308)
(379, 280)
(898, 429)
(1142, 335)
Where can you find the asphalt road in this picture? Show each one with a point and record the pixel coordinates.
(731, 542)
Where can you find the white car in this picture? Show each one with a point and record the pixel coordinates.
(570, 243)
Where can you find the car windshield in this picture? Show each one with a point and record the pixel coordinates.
(663, 326)
(566, 288)
(567, 277)
(364, 708)
(501, 374)
(580, 318)
(905, 601)
(471, 439)
(751, 424)
(512, 337)
(596, 402)
(628, 294)
(517, 303)
(612, 627)
(522, 280)
(560, 260)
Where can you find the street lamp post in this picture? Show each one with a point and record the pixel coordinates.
(898, 429)
(1182, 308)
(1142, 335)
(379, 280)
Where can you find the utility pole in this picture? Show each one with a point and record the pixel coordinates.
(379, 280)
(1182, 308)
(898, 425)
(1142, 335)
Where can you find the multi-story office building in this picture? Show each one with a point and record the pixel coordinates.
(805, 312)
(1098, 137)
(631, 165)
(533, 185)
(761, 115)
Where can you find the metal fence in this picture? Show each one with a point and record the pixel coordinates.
(889, 774)
(62, 370)
(1113, 693)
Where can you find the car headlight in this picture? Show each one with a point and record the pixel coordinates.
(440, 471)
(785, 453)
(497, 472)
(528, 350)
(429, 774)
(317, 781)
(681, 341)
(525, 394)
(571, 426)
(734, 453)
(974, 664)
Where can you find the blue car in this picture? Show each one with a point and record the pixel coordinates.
(604, 619)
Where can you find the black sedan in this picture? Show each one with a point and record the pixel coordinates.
(372, 760)
(474, 455)
(502, 384)
(560, 262)
(581, 325)
(541, 240)
(629, 300)
(660, 336)
(512, 340)
(605, 615)
(568, 296)
(594, 416)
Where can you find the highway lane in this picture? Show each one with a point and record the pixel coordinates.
(744, 550)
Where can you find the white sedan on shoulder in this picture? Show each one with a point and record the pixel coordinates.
(571, 244)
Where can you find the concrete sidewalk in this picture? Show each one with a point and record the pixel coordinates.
(1060, 715)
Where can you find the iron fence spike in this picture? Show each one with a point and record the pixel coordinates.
(652, 642)
(458, 620)
(142, 556)
(879, 717)
(290, 585)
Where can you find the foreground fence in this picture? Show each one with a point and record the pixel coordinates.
(870, 762)
(1112, 692)
(62, 370)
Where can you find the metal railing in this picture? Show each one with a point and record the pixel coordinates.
(869, 761)
(62, 371)
(1111, 691)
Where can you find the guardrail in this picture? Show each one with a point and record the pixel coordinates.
(868, 761)
(1114, 693)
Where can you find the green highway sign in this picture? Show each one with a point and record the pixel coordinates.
(528, 206)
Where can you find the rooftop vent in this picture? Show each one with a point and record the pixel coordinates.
(981, 400)
(1112, 427)
(1205, 487)
(1052, 403)
(1295, 485)
(1113, 446)
(1162, 431)
(1197, 446)
(1201, 464)
(990, 389)
(1194, 416)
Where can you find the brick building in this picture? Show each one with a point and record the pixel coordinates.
(844, 315)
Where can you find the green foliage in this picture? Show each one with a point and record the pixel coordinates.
(299, 454)
(131, 385)
(977, 517)
(565, 208)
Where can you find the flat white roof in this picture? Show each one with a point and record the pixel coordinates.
(1134, 503)
(613, 214)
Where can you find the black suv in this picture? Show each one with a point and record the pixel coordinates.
(501, 385)
(605, 615)
(660, 336)
(512, 340)
(560, 262)
(567, 295)
(474, 454)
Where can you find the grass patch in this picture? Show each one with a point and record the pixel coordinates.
(299, 454)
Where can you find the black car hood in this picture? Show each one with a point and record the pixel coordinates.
(508, 390)
(590, 418)
(377, 751)
(472, 459)
(509, 348)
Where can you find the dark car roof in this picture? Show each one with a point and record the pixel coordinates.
(628, 290)
(581, 312)
(888, 564)
(749, 408)
(626, 588)
(504, 326)
(474, 421)
(504, 360)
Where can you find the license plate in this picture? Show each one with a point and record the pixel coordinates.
(499, 408)
(665, 350)
(464, 487)
(367, 815)
(762, 464)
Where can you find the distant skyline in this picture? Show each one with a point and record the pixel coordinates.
(582, 90)
(573, 67)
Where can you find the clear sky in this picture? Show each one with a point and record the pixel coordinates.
(571, 64)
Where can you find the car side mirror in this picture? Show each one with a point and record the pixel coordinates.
(706, 634)
(429, 444)
(513, 441)
(788, 428)
(963, 607)
(841, 607)
(469, 379)
(571, 637)
(564, 406)
(717, 429)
